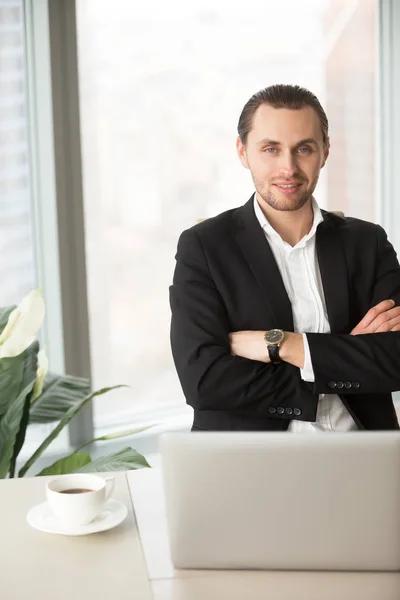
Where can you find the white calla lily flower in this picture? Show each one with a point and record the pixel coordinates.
(23, 325)
(43, 367)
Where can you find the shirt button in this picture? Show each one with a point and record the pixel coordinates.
(332, 384)
(356, 384)
(272, 410)
(280, 410)
(297, 411)
(339, 384)
(347, 385)
(289, 411)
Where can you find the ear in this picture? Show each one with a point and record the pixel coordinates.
(241, 151)
(326, 152)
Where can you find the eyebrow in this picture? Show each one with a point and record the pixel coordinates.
(267, 141)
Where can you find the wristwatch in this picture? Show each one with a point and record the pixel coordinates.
(274, 338)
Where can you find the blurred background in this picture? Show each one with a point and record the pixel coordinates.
(117, 131)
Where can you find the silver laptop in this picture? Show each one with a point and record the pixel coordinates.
(328, 501)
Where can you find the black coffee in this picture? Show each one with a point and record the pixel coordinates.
(76, 491)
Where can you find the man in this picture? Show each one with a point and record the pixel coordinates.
(284, 316)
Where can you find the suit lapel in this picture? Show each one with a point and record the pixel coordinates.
(332, 264)
(258, 255)
(333, 269)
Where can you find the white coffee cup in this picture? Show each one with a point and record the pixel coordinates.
(78, 498)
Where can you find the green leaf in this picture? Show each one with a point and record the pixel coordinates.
(120, 461)
(66, 465)
(11, 373)
(12, 425)
(60, 393)
(74, 410)
(114, 436)
(4, 314)
(20, 439)
(120, 434)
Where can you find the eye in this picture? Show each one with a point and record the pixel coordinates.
(270, 150)
(304, 150)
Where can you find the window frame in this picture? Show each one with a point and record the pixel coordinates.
(53, 94)
(387, 121)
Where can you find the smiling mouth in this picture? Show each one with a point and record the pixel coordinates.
(288, 188)
(287, 185)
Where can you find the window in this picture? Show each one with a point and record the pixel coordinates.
(162, 86)
(28, 224)
(17, 258)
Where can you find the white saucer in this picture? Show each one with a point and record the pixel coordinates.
(41, 517)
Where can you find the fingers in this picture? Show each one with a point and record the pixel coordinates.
(390, 324)
(374, 312)
(383, 319)
(379, 318)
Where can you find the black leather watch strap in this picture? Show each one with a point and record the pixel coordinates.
(273, 351)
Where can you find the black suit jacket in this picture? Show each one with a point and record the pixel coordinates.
(226, 279)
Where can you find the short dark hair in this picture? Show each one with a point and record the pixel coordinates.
(281, 96)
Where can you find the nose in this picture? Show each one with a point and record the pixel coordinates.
(288, 166)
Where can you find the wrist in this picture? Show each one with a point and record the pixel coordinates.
(292, 349)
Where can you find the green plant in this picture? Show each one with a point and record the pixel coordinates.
(29, 394)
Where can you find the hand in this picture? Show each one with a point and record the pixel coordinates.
(385, 316)
(249, 344)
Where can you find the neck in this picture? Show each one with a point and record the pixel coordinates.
(292, 226)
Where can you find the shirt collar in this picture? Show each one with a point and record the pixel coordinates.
(270, 231)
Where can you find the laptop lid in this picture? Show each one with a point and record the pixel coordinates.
(283, 501)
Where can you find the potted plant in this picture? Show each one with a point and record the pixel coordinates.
(29, 394)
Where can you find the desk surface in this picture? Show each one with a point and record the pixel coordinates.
(42, 566)
(169, 583)
(112, 564)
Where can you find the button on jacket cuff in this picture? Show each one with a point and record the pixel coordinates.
(307, 372)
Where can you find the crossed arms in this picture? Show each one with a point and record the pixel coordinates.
(224, 370)
(383, 317)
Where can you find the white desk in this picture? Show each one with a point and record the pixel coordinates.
(112, 564)
(173, 584)
(41, 566)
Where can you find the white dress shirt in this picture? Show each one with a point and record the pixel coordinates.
(299, 269)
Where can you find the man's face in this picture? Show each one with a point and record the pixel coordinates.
(285, 153)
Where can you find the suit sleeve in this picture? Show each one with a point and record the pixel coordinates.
(211, 378)
(362, 364)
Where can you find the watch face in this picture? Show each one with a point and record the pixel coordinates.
(274, 336)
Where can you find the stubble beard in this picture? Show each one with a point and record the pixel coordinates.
(290, 203)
